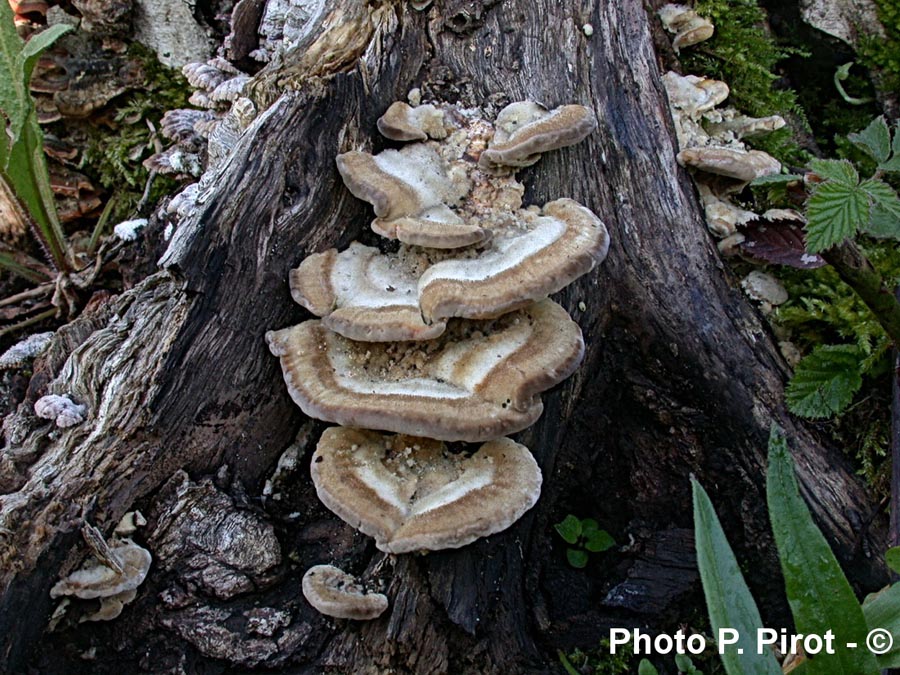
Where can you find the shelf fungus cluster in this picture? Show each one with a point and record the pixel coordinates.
(711, 139)
(444, 335)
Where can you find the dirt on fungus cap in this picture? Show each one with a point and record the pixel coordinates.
(412, 494)
(367, 295)
(476, 382)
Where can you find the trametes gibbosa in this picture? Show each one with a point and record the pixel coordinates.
(451, 337)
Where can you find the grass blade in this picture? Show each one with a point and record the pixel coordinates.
(728, 599)
(819, 594)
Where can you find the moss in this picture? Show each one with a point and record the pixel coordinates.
(883, 53)
(113, 157)
(600, 661)
(824, 310)
(744, 55)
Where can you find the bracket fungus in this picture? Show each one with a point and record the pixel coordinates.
(367, 295)
(98, 580)
(333, 592)
(710, 142)
(455, 192)
(688, 26)
(413, 494)
(450, 336)
(477, 381)
(525, 130)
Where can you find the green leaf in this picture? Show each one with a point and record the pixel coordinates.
(817, 590)
(835, 211)
(892, 558)
(569, 529)
(884, 216)
(683, 663)
(893, 164)
(577, 558)
(837, 170)
(599, 541)
(647, 668)
(874, 140)
(566, 664)
(825, 381)
(15, 99)
(589, 525)
(728, 599)
(37, 45)
(776, 179)
(882, 610)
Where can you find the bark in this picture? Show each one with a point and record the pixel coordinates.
(188, 412)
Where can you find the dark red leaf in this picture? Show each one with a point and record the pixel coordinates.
(778, 241)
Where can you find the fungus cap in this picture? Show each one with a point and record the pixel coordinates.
(411, 190)
(333, 592)
(477, 381)
(95, 580)
(741, 165)
(402, 122)
(366, 295)
(524, 130)
(688, 26)
(412, 494)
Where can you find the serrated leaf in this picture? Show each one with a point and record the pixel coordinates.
(825, 381)
(834, 211)
(728, 600)
(874, 140)
(892, 558)
(817, 590)
(683, 663)
(599, 541)
(893, 164)
(775, 179)
(884, 215)
(569, 529)
(882, 610)
(577, 559)
(883, 223)
(836, 170)
(647, 668)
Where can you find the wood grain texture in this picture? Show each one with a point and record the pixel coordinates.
(680, 376)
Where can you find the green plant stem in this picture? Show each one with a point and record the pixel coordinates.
(857, 272)
(37, 318)
(13, 266)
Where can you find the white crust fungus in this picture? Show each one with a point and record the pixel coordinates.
(333, 592)
(412, 494)
(61, 409)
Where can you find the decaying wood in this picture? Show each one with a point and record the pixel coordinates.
(680, 377)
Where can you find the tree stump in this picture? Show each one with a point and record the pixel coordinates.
(188, 413)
